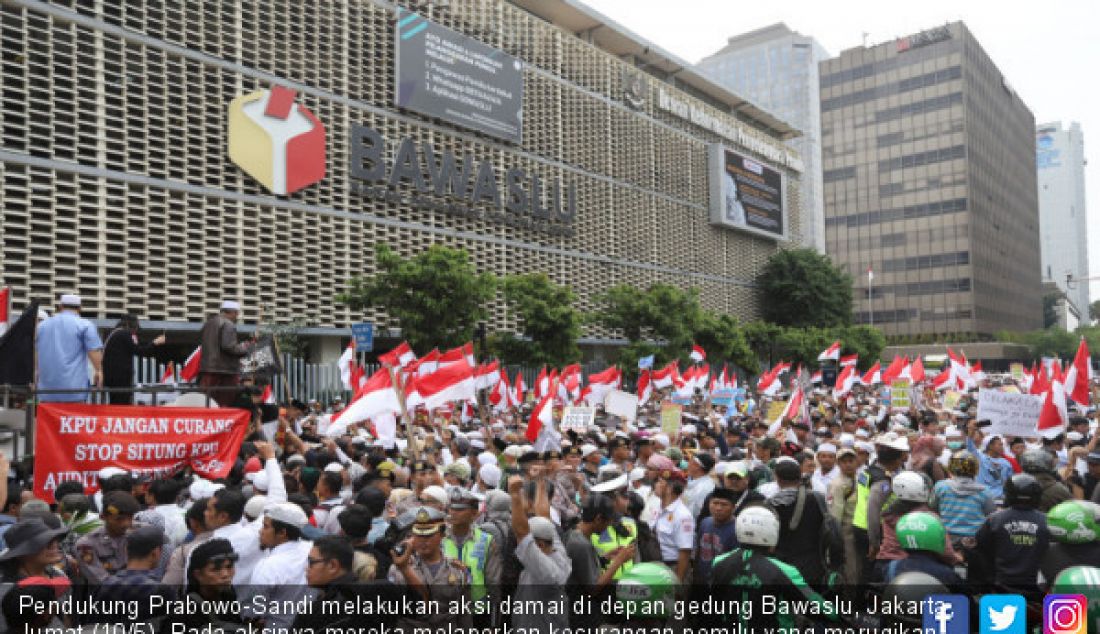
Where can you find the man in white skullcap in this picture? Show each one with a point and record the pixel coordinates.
(66, 344)
(826, 468)
(281, 575)
(221, 354)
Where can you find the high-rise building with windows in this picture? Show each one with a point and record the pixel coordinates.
(930, 181)
(1060, 158)
(777, 69)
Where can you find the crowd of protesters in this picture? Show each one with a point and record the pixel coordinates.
(846, 501)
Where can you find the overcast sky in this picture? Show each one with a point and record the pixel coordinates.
(1048, 51)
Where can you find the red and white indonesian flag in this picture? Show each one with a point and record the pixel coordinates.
(1079, 374)
(542, 384)
(976, 372)
(832, 353)
(501, 395)
(1054, 416)
(845, 382)
(447, 384)
(769, 383)
(376, 396)
(463, 352)
(424, 366)
(345, 364)
(723, 380)
(519, 391)
(543, 416)
(666, 376)
(269, 394)
(399, 357)
(852, 359)
(601, 383)
(5, 315)
(694, 378)
(169, 376)
(487, 375)
(873, 375)
(816, 377)
(916, 371)
(893, 370)
(698, 354)
(569, 384)
(961, 370)
(645, 386)
(793, 409)
(189, 373)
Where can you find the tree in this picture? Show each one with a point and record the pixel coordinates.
(803, 288)
(1094, 310)
(724, 339)
(436, 298)
(661, 321)
(550, 326)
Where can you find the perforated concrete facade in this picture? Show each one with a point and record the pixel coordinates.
(115, 182)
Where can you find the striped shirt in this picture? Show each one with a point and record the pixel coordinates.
(962, 504)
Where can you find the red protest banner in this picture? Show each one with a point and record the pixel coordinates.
(74, 441)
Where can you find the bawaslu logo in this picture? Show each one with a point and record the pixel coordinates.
(276, 141)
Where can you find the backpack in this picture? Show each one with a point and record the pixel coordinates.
(510, 567)
(645, 544)
(831, 540)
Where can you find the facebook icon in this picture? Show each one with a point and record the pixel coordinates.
(946, 614)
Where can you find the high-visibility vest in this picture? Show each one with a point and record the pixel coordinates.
(864, 479)
(474, 554)
(609, 540)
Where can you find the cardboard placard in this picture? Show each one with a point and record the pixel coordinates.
(1017, 371)
(951, 399)
(670, 418)
(1010, 414)
(775, 409)
(578, 419)
(621, 404)
(899, 394)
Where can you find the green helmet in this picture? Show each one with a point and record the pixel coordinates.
(1084, 580)
(921, 531)
(1074, 522)
(646, 591)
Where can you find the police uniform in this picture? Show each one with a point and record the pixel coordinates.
(100, 554)
(446, 581)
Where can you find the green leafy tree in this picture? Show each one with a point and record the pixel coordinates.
(803, 288)
(436, 297)
(661, 320)
(551, 324)
(865, 341)
(763, 339)
(1050, 342)
(724, 340)
(1094, 310)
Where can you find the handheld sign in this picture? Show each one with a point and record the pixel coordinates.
(578, 419)
(1010, 414)
(899, 394)
(621, 404)
(670, 418)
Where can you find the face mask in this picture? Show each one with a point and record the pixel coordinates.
(955, 444)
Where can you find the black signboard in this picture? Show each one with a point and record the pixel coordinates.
(746, 194)
(444, 74)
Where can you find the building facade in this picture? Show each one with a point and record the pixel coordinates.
(118, 180)
(777, 69)
(1060, 157)
(930, 181)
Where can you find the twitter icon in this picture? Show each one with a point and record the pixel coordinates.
(1003, 614)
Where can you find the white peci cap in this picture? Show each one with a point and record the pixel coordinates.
(69, 299)
(230, 305)
(287, 513)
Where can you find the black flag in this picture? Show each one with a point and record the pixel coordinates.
(17, 349)
(262, 361)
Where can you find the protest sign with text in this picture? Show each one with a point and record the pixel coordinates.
(670, 418)
(1010, 414)
(75, 441)
(578, 419)
(899, 394)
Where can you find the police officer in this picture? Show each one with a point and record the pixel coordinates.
(422, 566)
(102, 552)
(623, 531)
(475, 548)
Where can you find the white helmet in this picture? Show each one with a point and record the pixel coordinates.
(911, 486)
(757, 526)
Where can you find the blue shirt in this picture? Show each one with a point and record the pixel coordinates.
(993, 473)
(713, 541)
(64, 342)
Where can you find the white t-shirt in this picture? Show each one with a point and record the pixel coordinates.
(675, 530)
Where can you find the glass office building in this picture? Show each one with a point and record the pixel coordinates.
(1060, 156)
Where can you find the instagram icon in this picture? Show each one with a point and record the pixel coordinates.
(1064, 614)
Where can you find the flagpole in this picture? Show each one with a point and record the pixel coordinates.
(400, 389)
(870, 297)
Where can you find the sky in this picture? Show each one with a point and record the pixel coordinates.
(1048, 51)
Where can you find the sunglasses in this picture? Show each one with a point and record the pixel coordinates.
(222, 562)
